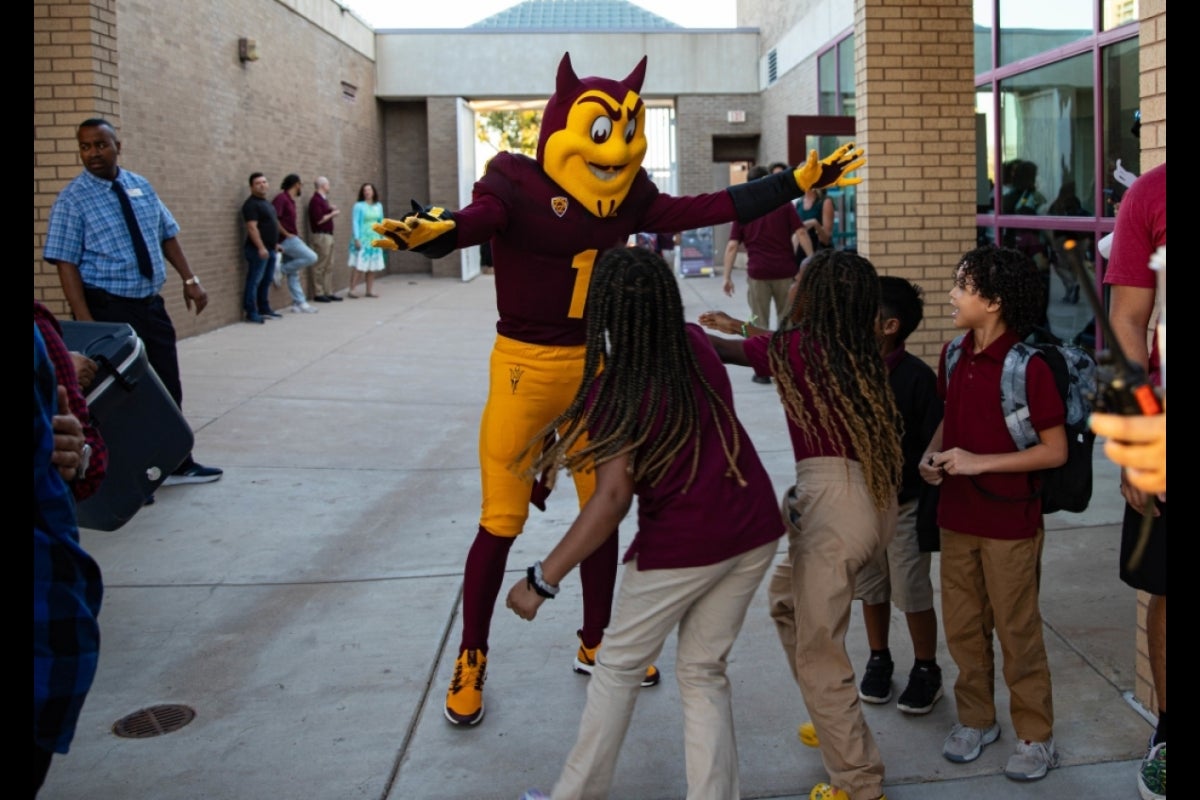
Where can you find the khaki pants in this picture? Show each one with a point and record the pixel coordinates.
(709, 606)
(834, 529)
(992, 585)
(322, 275)
(760, 294)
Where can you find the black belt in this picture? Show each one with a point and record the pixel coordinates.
(116, 298)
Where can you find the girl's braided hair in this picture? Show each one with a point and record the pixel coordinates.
(637, 393)
(835, 311)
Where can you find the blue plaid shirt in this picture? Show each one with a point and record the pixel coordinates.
(67, 587)
(87, 229)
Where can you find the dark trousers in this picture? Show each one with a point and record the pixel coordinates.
(149, 320)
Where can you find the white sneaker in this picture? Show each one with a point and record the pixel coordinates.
(276, 274)
(966, 743)
(1032, 760)
(303, 308)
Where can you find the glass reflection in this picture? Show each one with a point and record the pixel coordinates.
(1122, 149)
(1116, 13)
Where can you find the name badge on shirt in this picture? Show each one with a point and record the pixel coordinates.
(134, 192)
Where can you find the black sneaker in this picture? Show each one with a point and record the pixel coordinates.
(876, 686)
(923, 690)
(195, 473)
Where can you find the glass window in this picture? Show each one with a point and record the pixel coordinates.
(983, 35)
(845, 50)
(835, 79)
(1047, 125)
(1119, 66)
(827, 81)
(1030, 27)
(1118, 12)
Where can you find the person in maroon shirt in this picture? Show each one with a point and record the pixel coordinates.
(548, 220)
(841, 512)
(658, 422)
(320, 227)
(992, 547)
(770, 242)
(294, 254)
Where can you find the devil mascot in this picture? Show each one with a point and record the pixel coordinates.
(547, 221)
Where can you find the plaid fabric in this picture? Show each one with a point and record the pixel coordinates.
(87, 229)
(64, 368)
(67, 587)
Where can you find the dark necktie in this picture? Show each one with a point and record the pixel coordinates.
(145, 265)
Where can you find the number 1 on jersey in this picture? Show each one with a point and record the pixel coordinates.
(583, 263)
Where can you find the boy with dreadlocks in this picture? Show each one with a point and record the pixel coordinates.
(991, 546)
(654, 418)
(841, 513)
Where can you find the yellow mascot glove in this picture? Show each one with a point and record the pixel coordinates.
(417, 230)
(831, 170)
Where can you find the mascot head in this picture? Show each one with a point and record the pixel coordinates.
(593, 136)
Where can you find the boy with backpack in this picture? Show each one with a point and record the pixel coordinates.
(990, 511)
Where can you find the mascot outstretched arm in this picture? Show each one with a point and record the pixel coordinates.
(548, 218)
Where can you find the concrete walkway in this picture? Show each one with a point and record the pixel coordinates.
(306, 605)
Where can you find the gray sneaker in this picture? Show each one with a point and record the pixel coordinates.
(965, 744)
(1032, 760)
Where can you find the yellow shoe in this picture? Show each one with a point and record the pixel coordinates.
(464, 700)
(808, 734)
(823, 791)
(585, 662)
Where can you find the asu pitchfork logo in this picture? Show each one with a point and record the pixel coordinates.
(514, 377)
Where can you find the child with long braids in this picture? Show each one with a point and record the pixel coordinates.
(654, 418)
(841, 513)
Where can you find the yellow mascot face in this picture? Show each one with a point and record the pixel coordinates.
(594, 138)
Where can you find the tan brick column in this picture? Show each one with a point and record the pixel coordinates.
(74, 77)
(1152, 58)
(914, 76)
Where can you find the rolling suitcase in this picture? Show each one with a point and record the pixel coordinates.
(145, 431)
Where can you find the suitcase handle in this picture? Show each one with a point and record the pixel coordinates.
(106, 369)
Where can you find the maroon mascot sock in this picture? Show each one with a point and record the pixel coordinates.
(598, 576)
(481, 585)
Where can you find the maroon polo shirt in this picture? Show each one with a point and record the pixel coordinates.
(715, 518)
(285, 210)
(318, 207)
(973, 420)
(768, 239)
(822, 443)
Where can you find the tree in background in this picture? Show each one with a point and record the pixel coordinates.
(515, 130)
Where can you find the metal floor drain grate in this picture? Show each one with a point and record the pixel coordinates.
(153, 721)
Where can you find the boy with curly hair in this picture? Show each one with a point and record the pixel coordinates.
(990, 513)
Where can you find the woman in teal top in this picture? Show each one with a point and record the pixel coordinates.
(364, 258)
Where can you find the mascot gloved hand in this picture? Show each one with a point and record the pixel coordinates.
(831, 170)
(428, 230)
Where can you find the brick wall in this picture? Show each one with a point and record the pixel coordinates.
(74, 77)
(914, 80)
(698, 119)
(406, 132)
(196, 121)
